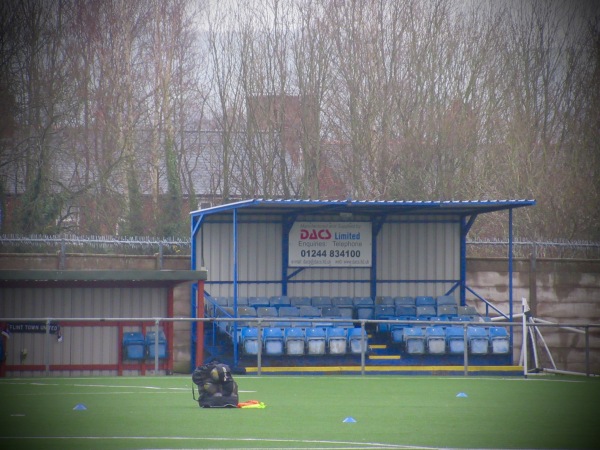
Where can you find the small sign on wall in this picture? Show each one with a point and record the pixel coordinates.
(32, 327)
(330, 244)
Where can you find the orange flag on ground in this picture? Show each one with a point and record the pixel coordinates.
(251, 404)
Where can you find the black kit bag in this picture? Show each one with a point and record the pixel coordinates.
(216, 386)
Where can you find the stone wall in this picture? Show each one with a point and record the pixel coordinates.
(560, 291)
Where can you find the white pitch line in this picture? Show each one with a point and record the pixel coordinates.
(347, 444)
(157, 388)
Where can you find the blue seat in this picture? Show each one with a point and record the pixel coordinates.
(302, 323)
(225, 301)
(364, 308)
(447, 311)
(219, 301)
(257, 302)
(161, 350)
(300, 301)
(226, 312)
(273, 341)
(288, 312)
(397, 329)
(245, 312)
(437, 319)
(384, 312)
(424, 300)
(266, 312)
(319, 302)
(414, 340)
(336, 340)
(435, 338)
(467, 311)
(355, 338)
(249, 340)
(241, 301)
(404, 301)
(345, 305)
(455, 339)
(279, 300)
(294, 341)
(445, 300)
(426, 311)
(330, 312)
(385, 300)
(463, 318)
(315, 341)
(478, 340)
(406, 310)
(499, 340)
(309, 312)
(134, 345)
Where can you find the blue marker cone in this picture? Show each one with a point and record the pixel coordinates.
(462, 395)
(79, 407)
(349, 420)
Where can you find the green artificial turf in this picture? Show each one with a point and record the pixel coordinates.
(302, 412)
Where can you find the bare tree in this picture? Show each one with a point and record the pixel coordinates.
(543, 53)
(35, 69)
(311, 55)
(226, 108)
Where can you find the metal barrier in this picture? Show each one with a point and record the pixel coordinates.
(530, 327)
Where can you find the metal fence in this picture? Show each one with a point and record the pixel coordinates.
(527, 328)
(145, 245)
(535, 249)
(135, 245)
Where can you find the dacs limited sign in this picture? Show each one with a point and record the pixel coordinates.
(330, 244)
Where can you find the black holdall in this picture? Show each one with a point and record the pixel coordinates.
(216, 386)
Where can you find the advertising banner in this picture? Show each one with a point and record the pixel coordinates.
(330, 244)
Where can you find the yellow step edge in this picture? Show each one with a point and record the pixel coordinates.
(384, 357)
(308, 369)
(377, 346)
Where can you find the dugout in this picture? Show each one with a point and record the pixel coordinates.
(253, 248)
(97, 310)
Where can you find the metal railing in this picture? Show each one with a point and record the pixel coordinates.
(529, 328)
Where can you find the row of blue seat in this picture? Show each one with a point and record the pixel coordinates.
(416, 340)
(320, 301)
(439, 340)
(347, 307)
(302, 316)
(136, 346)
(302, 341)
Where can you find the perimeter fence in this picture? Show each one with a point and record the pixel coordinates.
(146, 245)
(134, 245)
(561, 249)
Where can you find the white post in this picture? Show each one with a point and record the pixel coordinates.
(156, 322)
(524, 348)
